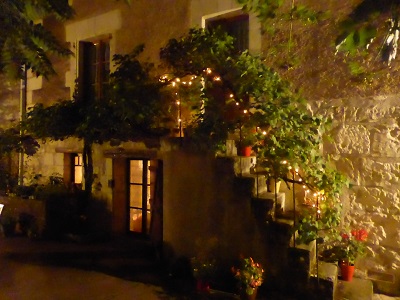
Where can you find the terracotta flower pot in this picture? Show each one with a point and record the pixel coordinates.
(244, 151)
(347, 271)
(202, 286)
(245, 296)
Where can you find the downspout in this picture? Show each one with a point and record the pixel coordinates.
(22, 103)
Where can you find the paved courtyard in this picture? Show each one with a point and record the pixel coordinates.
(57, 270)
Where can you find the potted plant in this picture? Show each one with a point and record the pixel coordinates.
(246, 140)
(249, 275)
(203, 272)
(349, 246)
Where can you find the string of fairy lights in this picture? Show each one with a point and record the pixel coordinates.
(312, 198)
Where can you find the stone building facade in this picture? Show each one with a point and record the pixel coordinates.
(366, 129)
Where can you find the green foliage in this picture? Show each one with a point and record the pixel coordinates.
(135, 99)
(25, 43)
(249, 275)
(354, 38)
(271, 9)
(287, 134)
(11, 140)
(56, 122)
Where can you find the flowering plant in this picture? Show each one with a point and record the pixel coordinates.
(249, 275)
(350, 245)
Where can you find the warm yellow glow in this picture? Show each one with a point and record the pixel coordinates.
(237, 103)
(217, 78)
(208, 70)
(231, 95)
(173, 83)
(245, 111)
(177, 80)
(264, 133)
(178, 102)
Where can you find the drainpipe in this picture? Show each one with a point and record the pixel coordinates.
(22, 103)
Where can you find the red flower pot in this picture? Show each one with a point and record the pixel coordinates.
(347, 271)
(244, 151)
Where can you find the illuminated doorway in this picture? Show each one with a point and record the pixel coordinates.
(141, 189)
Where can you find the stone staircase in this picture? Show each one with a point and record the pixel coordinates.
(298, 274)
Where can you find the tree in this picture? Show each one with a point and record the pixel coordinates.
(370, 23)
(239, 90)
(131, 110)
(25, 42)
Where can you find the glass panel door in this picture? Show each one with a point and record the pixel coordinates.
(140, 192)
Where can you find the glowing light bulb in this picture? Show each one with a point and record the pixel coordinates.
(173, 83)
(231, 95)
(208, 70)
(177, 80)
(178, 102)
(217, 78)
(245, 111)
(264, 133)
(237, 103)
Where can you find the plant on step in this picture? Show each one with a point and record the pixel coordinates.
(203, 271)
(346, 246)
(249, 275)
(246, 136)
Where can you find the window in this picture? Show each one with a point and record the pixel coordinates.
(236, 26)
(94, 69)
(73, 170)
(77, 172)
(141, 188)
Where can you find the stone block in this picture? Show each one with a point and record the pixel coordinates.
(242, 164)
(357, 289)
(302, 256)
(324, 285)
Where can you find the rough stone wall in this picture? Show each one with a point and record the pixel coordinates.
(366, 147)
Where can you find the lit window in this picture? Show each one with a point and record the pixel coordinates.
(77, 179)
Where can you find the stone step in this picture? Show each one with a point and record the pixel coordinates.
(279, 198)
(326, 281)
(302, 256)
(357, 289)
(243, 164)
(259, 183)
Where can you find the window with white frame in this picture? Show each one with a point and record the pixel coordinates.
(236, 26)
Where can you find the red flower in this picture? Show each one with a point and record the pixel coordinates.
(360, 235)
(345, 236)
